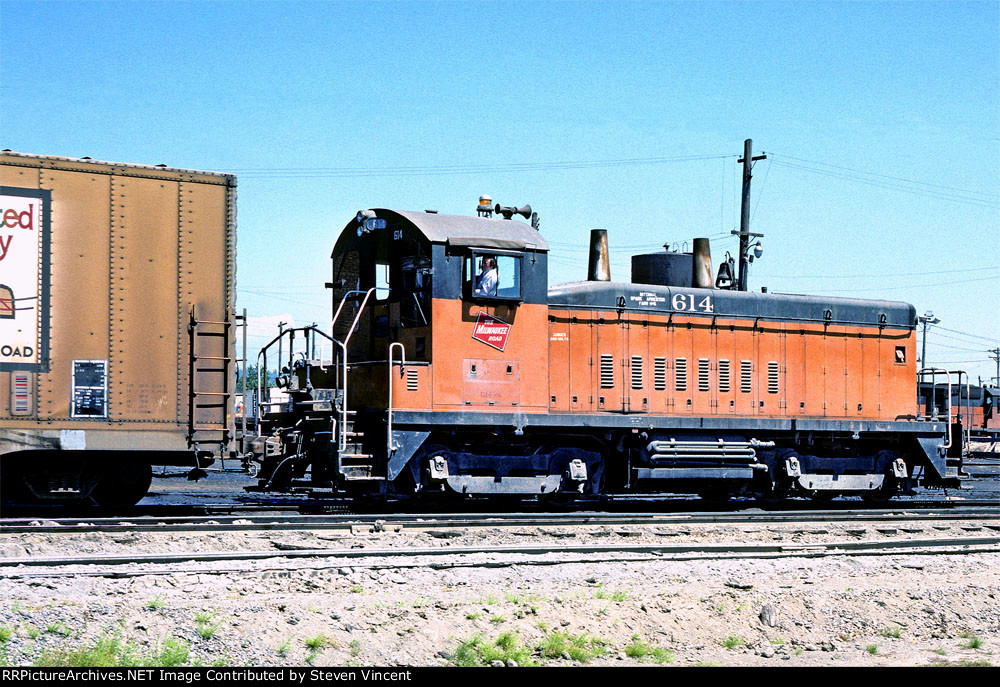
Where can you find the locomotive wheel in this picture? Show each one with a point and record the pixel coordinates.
(714, 495)
(878, 496)
(124, 483)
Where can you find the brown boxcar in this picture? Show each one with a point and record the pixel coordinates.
(102, 266)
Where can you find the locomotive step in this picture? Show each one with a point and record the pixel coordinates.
(360, 473)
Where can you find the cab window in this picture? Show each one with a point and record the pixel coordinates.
(415, 303)
(382, 281)
(492, 276)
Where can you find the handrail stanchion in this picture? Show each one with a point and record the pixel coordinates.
(342, 443)
(933, 371)
(390, 445)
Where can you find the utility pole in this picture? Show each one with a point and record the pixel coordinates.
(926, 318)
(748, 159)
(996, 357)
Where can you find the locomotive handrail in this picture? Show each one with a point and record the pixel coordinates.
(342, 440)
(402, 364)
(336, 315)
(690, 313)
(967, 425)
(934, 371)
(262, 360)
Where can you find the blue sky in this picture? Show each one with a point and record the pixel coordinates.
(880, 120)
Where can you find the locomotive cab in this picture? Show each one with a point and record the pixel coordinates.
(432, 314)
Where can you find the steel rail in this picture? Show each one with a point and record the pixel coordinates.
(485, 520)
(533, 554)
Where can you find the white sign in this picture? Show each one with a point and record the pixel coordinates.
(22, 242)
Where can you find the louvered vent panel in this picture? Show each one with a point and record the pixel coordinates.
(681, 374)
(772, 377)
(412, 381)
(637, 372)
(746, 376)
(607, 371)
(723, 376)
(660, 374)
(703, 371)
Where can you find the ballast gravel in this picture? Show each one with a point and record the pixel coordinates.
(838, 610)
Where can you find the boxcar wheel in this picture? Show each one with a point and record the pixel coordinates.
(123, 483)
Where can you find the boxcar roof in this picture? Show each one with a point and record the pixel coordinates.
(88, 164)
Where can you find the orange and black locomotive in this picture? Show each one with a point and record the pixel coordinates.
(450, 365)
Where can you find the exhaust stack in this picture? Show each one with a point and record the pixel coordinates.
(701, 265)
(599, 265)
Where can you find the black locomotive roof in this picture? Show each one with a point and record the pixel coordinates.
(724, 303)
(464, 230)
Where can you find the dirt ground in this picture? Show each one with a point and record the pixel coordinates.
(905, 610)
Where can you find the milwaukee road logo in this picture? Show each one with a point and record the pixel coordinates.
(491, 331)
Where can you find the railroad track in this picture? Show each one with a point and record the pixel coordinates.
(988, 517)
(621, 504)
(133, 565)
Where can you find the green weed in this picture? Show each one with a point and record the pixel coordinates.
(506, 647)
(580, 648)
(640, 650)
(58, 629)
(973, 642)
(317, 642)
(617, 595)
(894, 632)
(112, 652)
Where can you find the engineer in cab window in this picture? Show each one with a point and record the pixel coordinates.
(486, 285)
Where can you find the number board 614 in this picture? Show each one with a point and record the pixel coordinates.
(687, 302)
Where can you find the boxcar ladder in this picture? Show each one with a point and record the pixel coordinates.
(209, 395)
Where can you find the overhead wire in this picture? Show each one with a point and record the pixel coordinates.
(432, 170)
(926, 192)
(882, 275)
(974, 336)
(886, 176)
(760, 192)
(911, 286)
(960, 340)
